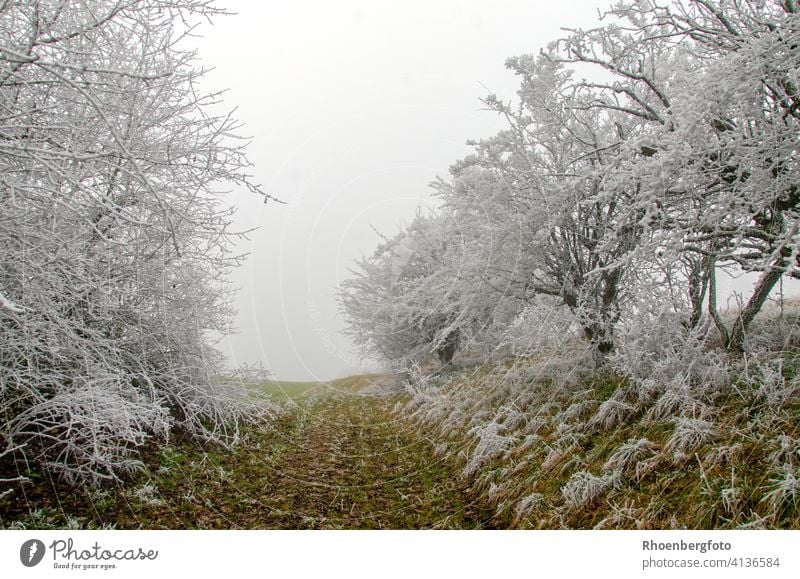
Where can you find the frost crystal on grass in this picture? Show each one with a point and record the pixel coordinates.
(629, 454)
(772, 387)
(577, 410)
(556, 456)
(585, 488)
(732, 500)
(527, 504)
(787, 451)
(784, 491)
(149, 495)
(730, 454)
(675, 401)
(491, 444)
(626, 515)
(690, 434)
(611, 413)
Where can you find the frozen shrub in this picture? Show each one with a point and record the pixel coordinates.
(91, 431)
(115, 237)
(662, 354)
(538, 328)
(659, 349)
(776, 328)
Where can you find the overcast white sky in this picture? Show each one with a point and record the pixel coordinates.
(354, 107)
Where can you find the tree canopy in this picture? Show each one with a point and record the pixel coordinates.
(639, 157)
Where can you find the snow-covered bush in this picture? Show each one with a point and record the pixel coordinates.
(545, 326)
(661, 354)
(114, 240)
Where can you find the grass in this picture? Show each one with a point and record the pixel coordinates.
(489, 448)
(281, 391)
(334, 460)
(571, 463)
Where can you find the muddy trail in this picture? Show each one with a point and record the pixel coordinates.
(338, 459)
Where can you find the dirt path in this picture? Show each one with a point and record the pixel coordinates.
(353, 464)
(339, 460)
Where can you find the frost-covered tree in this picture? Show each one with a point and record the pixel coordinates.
(621, 193)
(714, 83)
(114, 240)
(731, 148)
(400, 303)
(540, 186)
(487, 255)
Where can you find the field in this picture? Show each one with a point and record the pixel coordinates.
(282, 391)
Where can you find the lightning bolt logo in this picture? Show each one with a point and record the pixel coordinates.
(33, 549)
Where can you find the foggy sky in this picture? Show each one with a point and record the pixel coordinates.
(353, 108)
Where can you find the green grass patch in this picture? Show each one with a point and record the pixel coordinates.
(281, 391)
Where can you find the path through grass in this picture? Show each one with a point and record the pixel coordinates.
(337, 460)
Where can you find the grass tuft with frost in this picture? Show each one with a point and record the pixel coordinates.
(714, 442)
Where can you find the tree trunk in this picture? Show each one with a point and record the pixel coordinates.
(712, 300)
(698, 285)
(448, 348)
(601, 340)
(763, 288)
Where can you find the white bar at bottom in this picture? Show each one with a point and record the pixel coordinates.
(406, 554)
